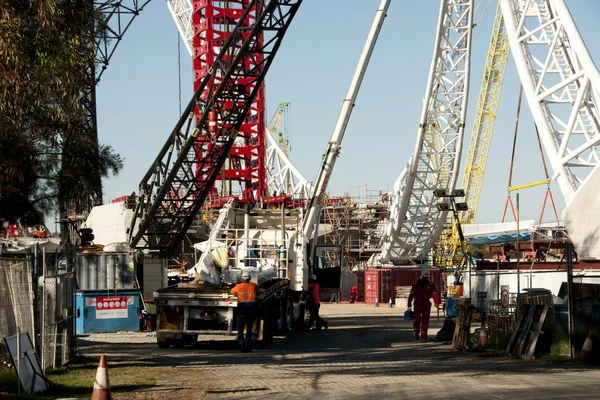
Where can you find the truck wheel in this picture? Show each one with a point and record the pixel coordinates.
(288, 315)
(279, 317)
(162, 342)
(300, 312)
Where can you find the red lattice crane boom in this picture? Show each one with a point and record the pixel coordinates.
(186, 168)
(213, 23)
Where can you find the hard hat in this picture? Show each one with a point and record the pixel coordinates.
(246, 274)
(313, 277)
(425, 273)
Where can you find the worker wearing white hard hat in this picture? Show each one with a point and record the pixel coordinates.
(421, 292)
(246, 293)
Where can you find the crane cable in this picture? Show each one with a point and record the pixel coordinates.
(482, 13)
(512, 162)
(179, 66)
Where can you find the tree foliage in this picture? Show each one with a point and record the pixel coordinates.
(46, 71)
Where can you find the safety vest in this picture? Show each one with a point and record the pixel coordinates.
(245, 292)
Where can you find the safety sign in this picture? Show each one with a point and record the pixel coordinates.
(111, 307)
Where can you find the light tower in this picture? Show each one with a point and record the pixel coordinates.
(243, 175)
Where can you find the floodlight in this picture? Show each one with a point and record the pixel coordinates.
(443, 206)
(458, 193)
(439, 192)
(462, 206)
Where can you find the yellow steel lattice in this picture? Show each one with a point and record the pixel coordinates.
(481, 137)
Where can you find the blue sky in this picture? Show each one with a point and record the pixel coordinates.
(138, 102)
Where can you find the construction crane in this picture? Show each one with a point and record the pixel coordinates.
(481, 138)
(415, 222)
(186, 168)
(281, 175)
(274, 127)
(561, 84)
(280, 259)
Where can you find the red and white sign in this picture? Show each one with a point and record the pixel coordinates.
(111, 307)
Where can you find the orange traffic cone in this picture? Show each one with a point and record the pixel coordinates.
(586, 351)
(101, 384)
(483, 335)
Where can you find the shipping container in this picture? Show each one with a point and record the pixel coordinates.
(104, 271)
(360, 283)
(406, 277)
(378, 285)
(372, 285)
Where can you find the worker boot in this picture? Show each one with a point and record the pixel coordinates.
(416, 335)
(423, 337)
(243, 348)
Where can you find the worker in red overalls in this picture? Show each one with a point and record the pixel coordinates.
(421, 292)
(353, 294)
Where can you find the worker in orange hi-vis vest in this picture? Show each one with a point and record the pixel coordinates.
(246, 293)
(421, 292)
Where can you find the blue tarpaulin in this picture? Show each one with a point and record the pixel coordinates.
(498, 239)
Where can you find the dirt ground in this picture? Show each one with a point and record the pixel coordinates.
(367, 352)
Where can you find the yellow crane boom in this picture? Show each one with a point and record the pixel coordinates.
(481, 137)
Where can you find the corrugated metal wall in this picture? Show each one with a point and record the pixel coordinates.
(104, 270)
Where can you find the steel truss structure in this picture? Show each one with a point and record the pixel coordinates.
(481, 139)
(181, 11)
(281, 174)
(213, 22)
(561, 85)
(108, 22)
(415, 223)
(115, 18)
(186, 168)
(283, 178)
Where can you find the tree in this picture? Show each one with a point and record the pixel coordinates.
(46, 75)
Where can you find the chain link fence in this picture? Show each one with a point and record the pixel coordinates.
(586, 311)
(37, 296)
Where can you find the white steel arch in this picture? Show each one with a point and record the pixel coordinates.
(415, 223)
(181, 11)
(282, 175)
(561, 84)
(562, 87)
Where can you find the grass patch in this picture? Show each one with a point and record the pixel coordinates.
(77, 380)
(560, 352)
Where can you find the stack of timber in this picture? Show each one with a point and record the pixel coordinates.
(462, 331)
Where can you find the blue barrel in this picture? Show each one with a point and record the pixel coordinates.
(451, 309)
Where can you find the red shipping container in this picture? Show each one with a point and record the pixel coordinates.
(386, 287)
(372, 285)
(360, 283)
(407, 277)
(378, 285)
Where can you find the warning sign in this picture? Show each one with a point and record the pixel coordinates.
(504, 298)
(111, 307)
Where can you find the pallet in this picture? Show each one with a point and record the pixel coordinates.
(524, 339)
(462, 331)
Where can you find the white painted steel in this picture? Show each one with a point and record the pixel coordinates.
(181, 11)
(562, 87)
(415, 223)
(282, 176)
(310, 223)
